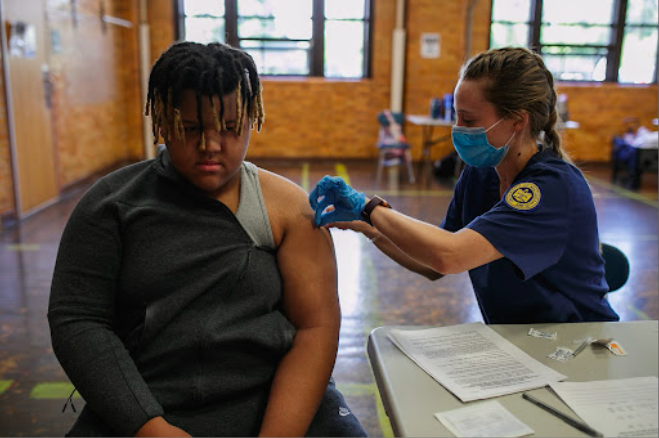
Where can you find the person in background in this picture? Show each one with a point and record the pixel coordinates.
(192, 294)
(522, 220)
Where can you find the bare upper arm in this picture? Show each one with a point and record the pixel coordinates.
(305, 254)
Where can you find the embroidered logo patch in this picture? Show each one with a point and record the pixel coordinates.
(523, 196)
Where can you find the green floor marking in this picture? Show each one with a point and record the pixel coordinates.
(624, 192)
(53, 390)
(4, 385)
(383, 419)
(447, 193)
(23, 247)
(638, 312)
(304, 177)
(636, 238)
(342, 171)
(369, 389)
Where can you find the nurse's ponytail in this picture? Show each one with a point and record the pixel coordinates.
(516, 80)
(552, 137)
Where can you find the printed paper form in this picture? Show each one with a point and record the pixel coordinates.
(483, 419)
(617, 408)
(473, 361)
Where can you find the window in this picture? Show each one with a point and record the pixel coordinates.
(201, 21)
(328, 38)
(585, 40)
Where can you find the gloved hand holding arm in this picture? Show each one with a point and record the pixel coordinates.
(333, 191)
(344, 212)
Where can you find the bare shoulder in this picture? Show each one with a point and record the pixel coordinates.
(282, 191)
(286, 202)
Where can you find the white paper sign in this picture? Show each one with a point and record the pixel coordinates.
(430, 45)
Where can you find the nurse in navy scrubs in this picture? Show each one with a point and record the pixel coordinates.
(522, 220)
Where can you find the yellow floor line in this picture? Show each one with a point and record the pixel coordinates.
(624, 192)
(23, 247)
(342, 171)
(636, 311)
(636, 238)
(304, 177)
(4, 385)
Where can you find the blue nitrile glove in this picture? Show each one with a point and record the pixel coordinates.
(332, 190)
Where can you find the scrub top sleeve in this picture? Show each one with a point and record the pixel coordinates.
(453, 221)
(530, 225)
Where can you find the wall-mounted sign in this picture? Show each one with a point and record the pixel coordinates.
(22, 39)
(430, 45)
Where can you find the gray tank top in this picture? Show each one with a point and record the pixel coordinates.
(251, 212)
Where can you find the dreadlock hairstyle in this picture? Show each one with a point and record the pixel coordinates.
(210, 70)
(516, 79)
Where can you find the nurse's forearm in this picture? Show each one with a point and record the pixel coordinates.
(396, 254)
(425, 243)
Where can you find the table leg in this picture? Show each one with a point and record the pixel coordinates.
(426, 143)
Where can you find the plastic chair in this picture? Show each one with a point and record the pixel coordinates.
(394, 148)
(616, 266)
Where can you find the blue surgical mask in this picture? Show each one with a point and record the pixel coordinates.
(473, 147)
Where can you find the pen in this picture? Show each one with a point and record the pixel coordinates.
(571, 421)
(581, 347)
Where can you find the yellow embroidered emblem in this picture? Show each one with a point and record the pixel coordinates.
(523, 196)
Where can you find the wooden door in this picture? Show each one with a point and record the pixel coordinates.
(27, 77)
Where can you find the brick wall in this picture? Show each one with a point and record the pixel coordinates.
(600, 109)
(336, 119)
(428, 78)
(324, 118)
(312, 117)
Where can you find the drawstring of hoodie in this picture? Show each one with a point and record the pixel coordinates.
(70, 401)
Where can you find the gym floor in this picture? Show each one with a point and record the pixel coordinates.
(374, 291)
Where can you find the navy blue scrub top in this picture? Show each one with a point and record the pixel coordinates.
(546, 228)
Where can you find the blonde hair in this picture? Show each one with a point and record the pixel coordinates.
(213, 69)
(516, 79)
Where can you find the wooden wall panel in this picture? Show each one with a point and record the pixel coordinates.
(97, 97)
(24, 28)
(7, 204)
